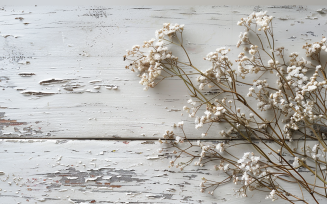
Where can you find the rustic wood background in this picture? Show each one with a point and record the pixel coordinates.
(66, 137)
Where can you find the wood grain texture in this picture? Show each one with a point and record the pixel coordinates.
(62, 78)
(92, 171)
(57, 65)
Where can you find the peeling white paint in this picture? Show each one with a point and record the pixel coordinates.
(71, 56)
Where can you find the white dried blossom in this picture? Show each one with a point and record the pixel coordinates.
(272, 195)
(314, 152)
(168, 134)
(220, 67)
(296, 163)
(261, 19)
(220, 147)
(149, 62)
(190, 101)
(226, 167)
(168, 30)
(179, 139)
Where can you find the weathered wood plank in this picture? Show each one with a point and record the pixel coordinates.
(92, 171)
(58, 63)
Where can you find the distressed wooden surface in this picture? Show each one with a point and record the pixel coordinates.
(57, 65)
(91, 171)
(53, 59)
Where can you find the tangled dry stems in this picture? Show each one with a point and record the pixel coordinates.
(290, 111)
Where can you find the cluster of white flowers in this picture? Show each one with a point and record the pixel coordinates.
(205, 150)
(261, 19)
(200, 121)
(296, 76)
(220, 147)
(244, 38)
(277, 98)
(168, 30)
(149, 62)
(220, 69)
(296, 162)
(272, 195)
(251, 92)
(273, 63)
(264, 103)
(179, 124)
(179, 139)
(242, 68)
(192, 111)
(249, 164)
(168, 135)
(314, 84)
(222, 166)
(313, 49)
(279, 51)
(303, 111)
(212, 113)
(314, 152)
(249, 172)
(208, 149)
(261, 85)
(147, 79)
(253, 50)
(298, 62)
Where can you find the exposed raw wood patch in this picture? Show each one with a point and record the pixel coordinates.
(26, 74)
(53, 81)
(37, 93)
(6, 123)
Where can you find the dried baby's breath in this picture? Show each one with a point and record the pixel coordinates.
(295, 104)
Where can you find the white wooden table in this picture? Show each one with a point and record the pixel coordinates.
(67, 138)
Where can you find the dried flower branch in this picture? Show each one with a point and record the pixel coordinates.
(292, 111)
